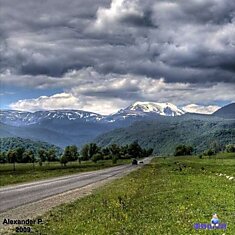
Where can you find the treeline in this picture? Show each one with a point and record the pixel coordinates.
(185, 150)
(95, 153)
(8, 143)
(88, 152)
(22, 155)
(113, 152)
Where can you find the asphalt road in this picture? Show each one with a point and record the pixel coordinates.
(15, 196)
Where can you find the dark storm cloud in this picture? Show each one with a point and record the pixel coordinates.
(182, 41)
(139, 21)
(210, 11)
(129, 93)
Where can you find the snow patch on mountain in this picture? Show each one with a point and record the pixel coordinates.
(21, 118)
(163, 109)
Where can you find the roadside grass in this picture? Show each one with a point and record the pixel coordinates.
(25, 172)
(165, 197)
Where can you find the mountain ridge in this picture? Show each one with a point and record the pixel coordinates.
(135, 111)
(227, 111)
(18, 118)
(65, 127)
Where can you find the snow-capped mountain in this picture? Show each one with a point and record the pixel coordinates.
(21, 118)
(163, 109)
(147, 109)
(133, 112)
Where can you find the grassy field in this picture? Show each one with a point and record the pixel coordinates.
(25, 172)
(165, 197)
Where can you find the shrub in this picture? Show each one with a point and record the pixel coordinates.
(183, 150)
(230, 148)
(209, 152)
(64, 160)
(96, 157)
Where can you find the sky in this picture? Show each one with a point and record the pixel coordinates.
(103, 55)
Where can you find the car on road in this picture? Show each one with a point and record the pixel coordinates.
(134, 162)
(140, 162)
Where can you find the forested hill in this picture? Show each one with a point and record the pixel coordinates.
(164, 135)
(227, 111)
(17, 142)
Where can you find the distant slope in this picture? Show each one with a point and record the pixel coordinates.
(27, 144)
(165, 134)
(227, 111)
(56, 132)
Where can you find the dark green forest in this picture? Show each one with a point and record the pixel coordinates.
(27, 144)
(166, 134)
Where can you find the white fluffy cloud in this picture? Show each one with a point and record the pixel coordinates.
(89, 90)
(195, 108)
(69, 101)
(57, 101)
(107, 18)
